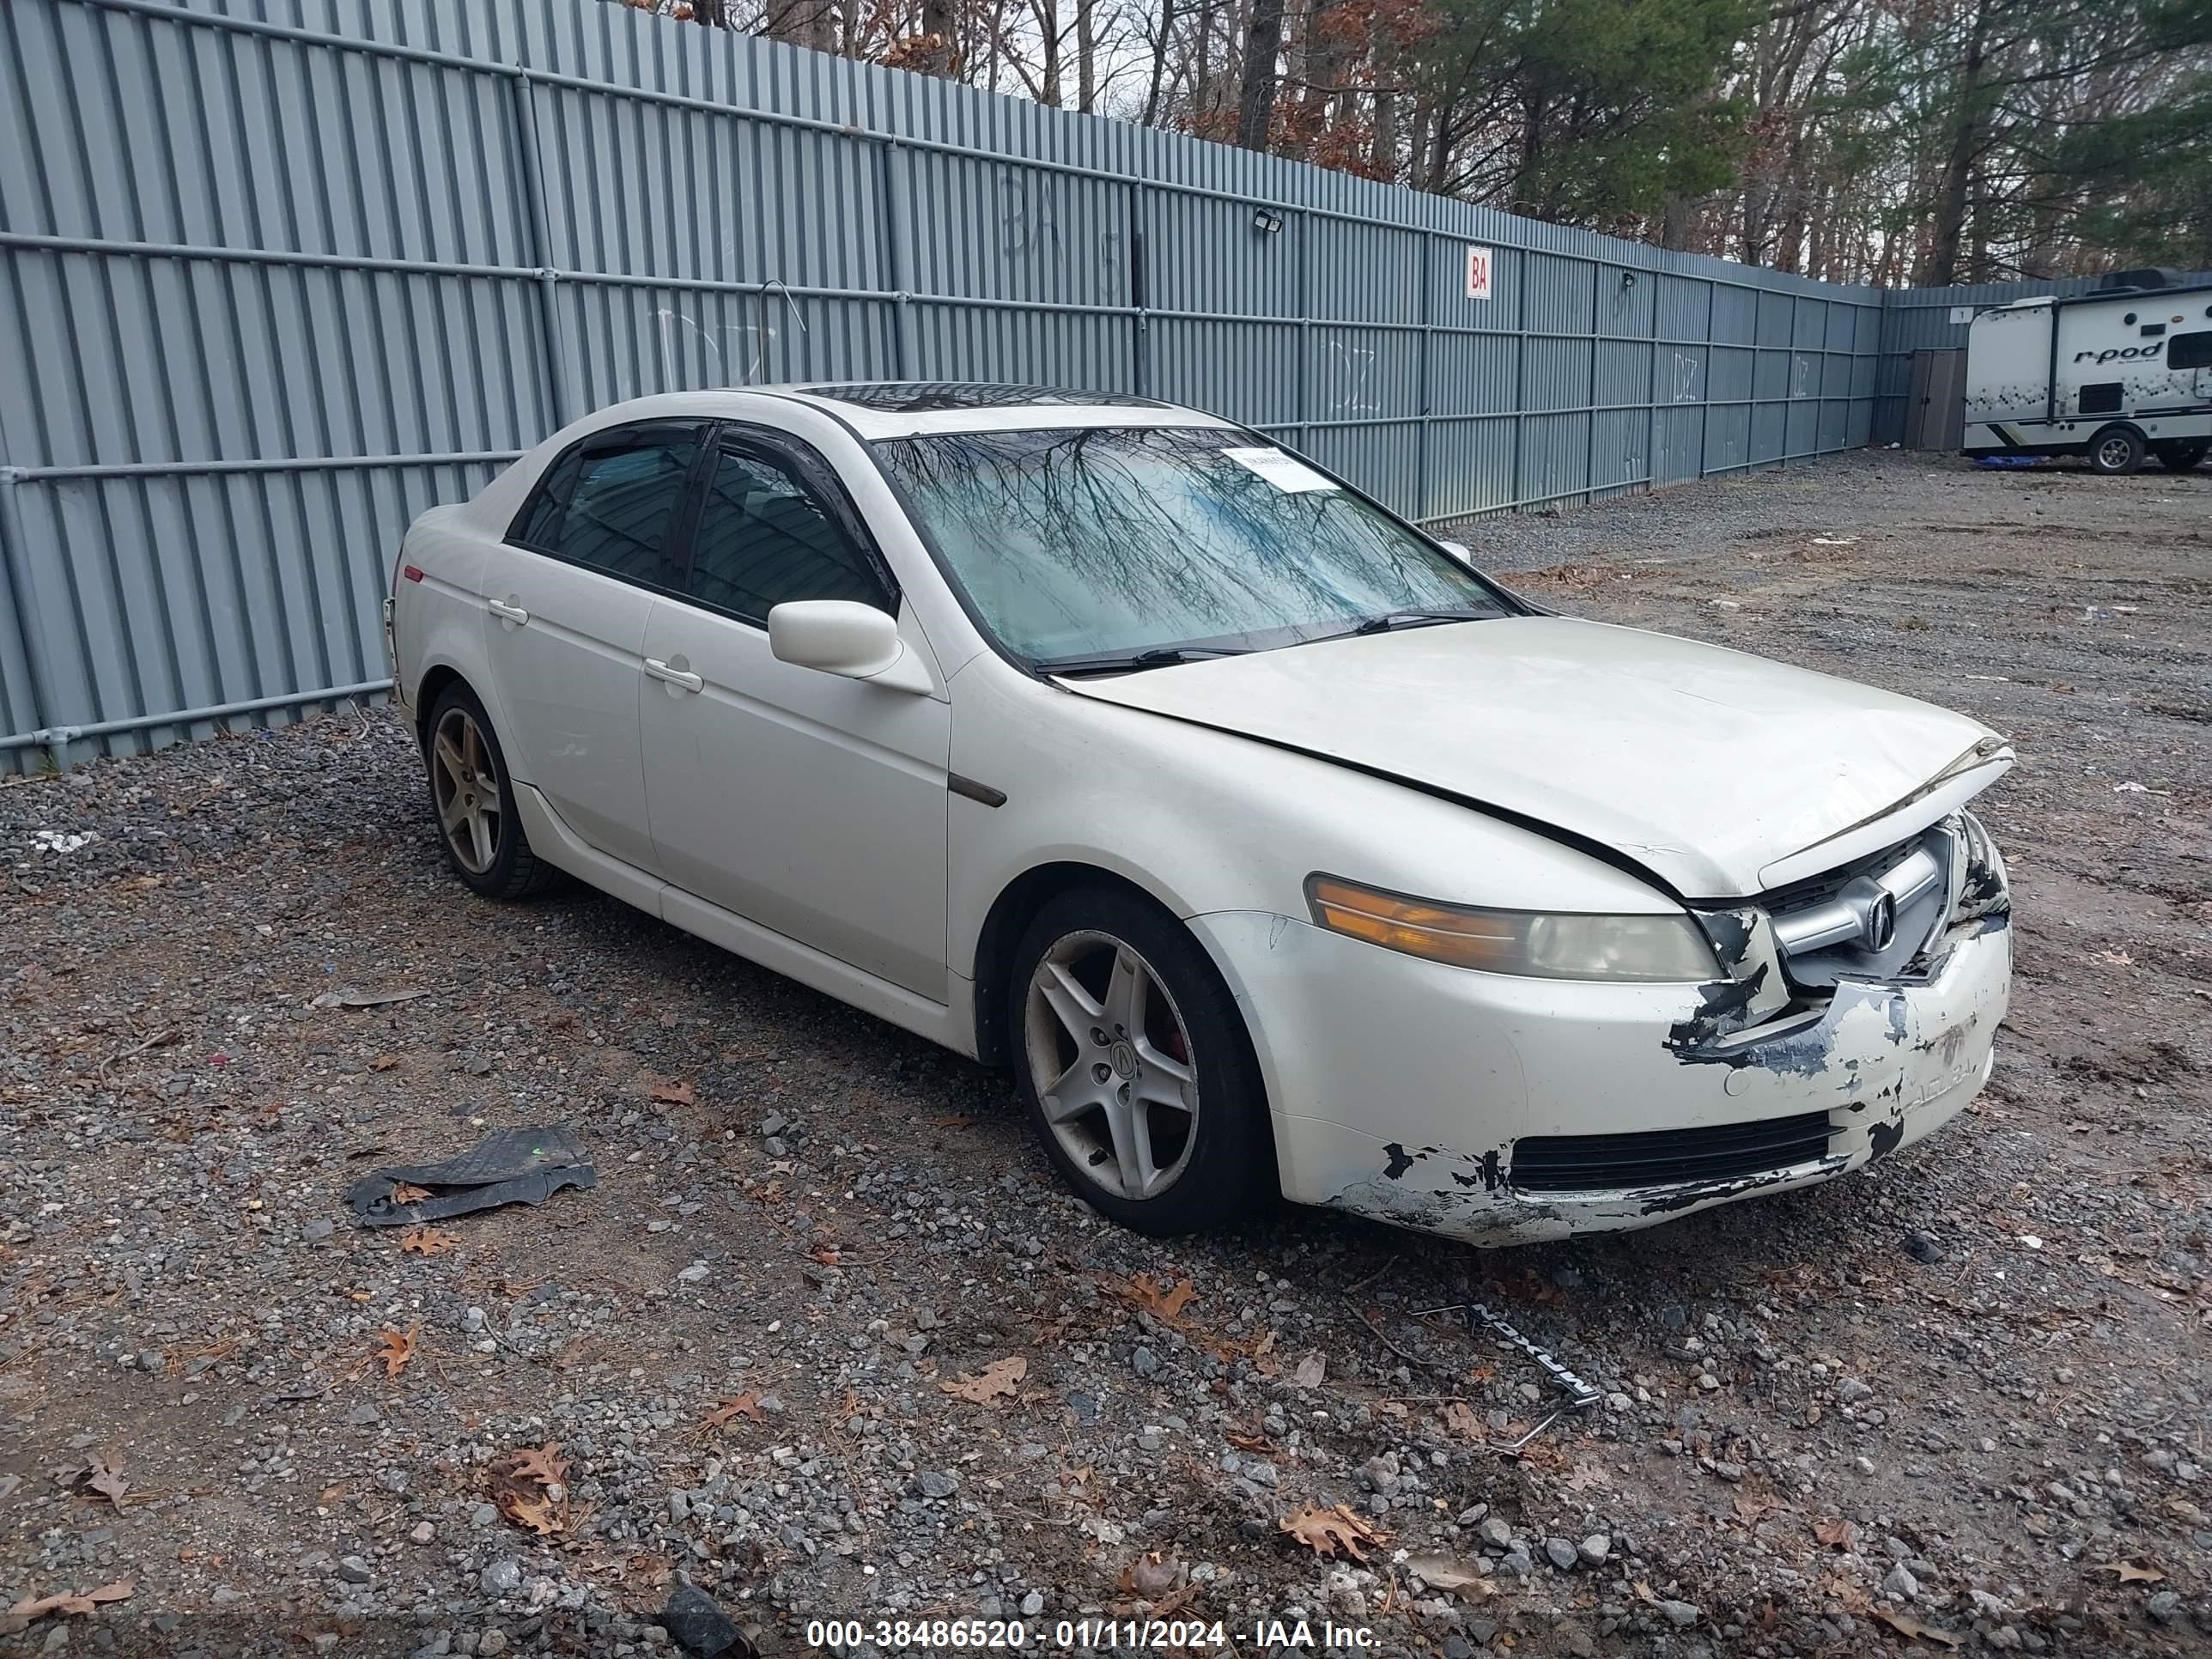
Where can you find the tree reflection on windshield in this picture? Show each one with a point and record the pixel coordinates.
(1106, 540)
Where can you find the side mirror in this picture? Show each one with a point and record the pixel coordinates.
(1459, 550)
(847, 638)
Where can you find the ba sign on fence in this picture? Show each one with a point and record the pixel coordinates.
(1478, 273)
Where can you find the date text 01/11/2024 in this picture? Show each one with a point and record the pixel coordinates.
(1326, 1636)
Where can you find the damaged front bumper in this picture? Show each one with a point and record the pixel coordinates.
(1503, 1111)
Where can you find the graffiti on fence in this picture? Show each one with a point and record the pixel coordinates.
(1685, 378)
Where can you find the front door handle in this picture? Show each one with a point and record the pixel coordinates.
(676, 676)
(505, 612)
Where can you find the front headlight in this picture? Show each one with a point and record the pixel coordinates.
(1662, 949)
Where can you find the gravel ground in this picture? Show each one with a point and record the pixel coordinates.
(1962, 1392)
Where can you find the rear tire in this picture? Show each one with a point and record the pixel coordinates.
(2116, 451)
(472, 801)
(1135, 1067)
(2183, 454)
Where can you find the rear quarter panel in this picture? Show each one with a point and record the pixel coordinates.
(438, 622)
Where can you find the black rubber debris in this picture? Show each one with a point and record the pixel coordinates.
(1921, 1247)
(703, 1628)
(509, 1166)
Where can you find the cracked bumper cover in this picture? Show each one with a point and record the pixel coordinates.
(1399, 1086)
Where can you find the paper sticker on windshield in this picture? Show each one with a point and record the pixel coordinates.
(1286, 473)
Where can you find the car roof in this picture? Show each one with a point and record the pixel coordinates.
(900, 408)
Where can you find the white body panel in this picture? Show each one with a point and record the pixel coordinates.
(858, 836)
(853, 860)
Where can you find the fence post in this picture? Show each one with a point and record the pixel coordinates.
(894, 222)
(1651, 393)
(1304, 410)
(1140, 292)
(1705, 403)
(1598, 343)
(1425, 272)
(15, 569)
(1520, 370)
(523, 106)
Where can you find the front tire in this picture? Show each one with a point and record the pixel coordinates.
(472, 798)
(2116, 451)
(1135, 1066)
(2181, 456)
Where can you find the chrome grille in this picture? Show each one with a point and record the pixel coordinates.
(1872, 916)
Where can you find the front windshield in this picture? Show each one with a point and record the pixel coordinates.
(1103, 542)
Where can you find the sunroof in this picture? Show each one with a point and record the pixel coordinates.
(934, 396)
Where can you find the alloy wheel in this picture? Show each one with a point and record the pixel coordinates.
(2112, 454)
(465, 785)
(1111, 1060)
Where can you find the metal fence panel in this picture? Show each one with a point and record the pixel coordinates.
(276, 275)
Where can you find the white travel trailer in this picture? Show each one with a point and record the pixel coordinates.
(2115, 374)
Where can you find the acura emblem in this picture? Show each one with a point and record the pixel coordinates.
(1880, 929)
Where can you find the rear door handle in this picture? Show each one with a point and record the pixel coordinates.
(677, 676)
(513, 613)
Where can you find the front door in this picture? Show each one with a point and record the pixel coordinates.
(566, 596)
(813, 805)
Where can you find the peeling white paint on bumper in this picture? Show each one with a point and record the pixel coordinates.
(1399, 1086)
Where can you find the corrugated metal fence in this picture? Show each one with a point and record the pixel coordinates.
(276, 275)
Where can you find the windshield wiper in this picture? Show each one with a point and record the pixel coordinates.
(1384, 624)
(1160, 657)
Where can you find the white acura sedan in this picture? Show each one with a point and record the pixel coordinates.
(1275, 848)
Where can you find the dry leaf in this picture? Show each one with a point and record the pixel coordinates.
(1000, 1376)
(1327, 1531)
(1310, 1372)
(1160, 1302)
(406, 1193)
(1905, 1624)
(383, 1062)
(427, 1241)
(101, 1479)
(670, 1093)
(534, 1512)
(1150, 1577)
(746, 1405)
(1448, 1574)
(396, 1348)
(527, 1488)
(21, 1616)
(1837, 1534)
(1248, 1441)
(542, 1464)
(1462, 1420)
(2131, 1573)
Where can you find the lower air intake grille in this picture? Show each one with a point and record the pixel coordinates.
(1667, 1157)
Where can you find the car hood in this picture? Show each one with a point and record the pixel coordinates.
(1703, 765)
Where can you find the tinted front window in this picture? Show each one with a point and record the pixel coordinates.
(1120, 539)
(764, 537)
(619, 505)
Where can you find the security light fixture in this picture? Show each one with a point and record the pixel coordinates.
(1267, 220)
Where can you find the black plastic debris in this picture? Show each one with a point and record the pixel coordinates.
(700, 1628)
(1921, 1247)
(509, 1166)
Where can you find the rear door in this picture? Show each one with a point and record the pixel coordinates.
(567, 595)
(813, 805)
